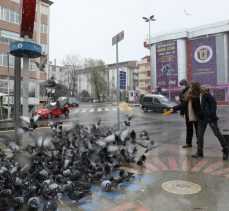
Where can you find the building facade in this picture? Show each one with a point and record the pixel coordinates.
(128, 79)
(76, 80)
(82, 79)
(197, 54)
(10, 19)
(144, 75)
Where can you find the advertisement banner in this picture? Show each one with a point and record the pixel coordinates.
(204, 60)
(166, 58)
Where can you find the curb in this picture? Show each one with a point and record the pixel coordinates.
(2, 129)
(134, 105)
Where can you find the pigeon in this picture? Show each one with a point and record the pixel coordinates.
(106, 185)
(125, 135)
(27, 124)
(9, 142)
(133, 136)
(64, 164)
(41, 65)
(50, 205)
(141, 160)
(186, 13)
(34, 203)
(127, 122)
(18, 202)
(143, 134)
(31, 122)
(50, 83)
(147, 143)
(45, 142)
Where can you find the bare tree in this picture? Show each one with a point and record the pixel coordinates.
(97, 71)
(71, 67)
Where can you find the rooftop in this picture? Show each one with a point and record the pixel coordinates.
(213, 28)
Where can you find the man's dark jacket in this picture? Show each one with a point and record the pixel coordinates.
(209, 107)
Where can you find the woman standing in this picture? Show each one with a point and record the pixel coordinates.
(191, 104)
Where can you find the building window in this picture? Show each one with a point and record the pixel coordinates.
(16, 1)
(44, 9)
(8, 37)
(44, 48)
(4, 60)
(44, 28)
(9, 15)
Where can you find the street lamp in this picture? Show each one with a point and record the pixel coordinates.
(151, 18)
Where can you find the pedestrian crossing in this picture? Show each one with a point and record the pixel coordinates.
(94, 110)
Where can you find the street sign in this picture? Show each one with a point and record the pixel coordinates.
(122, 79)
(118, 38)
(121, 84)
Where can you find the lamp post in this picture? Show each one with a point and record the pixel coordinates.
(151, 18)
(169, 84)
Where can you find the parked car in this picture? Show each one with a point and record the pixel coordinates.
(156, 102)
(72, 101)
(53, 110)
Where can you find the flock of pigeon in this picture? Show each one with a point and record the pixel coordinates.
(62, 165)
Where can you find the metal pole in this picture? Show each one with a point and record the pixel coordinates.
(17, 93)
(118, 88)
(8, 88)
(150, 57)
(25, 86)
(38, 40)
(169, 83)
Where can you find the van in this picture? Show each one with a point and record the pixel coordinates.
(156, 102)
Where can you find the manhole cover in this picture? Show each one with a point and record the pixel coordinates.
(181, 187)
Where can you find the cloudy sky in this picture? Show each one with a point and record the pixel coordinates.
(85, 27)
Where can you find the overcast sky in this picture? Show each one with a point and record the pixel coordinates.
(85, 27)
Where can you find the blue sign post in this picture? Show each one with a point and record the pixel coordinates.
(122, 80)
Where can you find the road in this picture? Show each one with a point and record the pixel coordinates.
(170, 179)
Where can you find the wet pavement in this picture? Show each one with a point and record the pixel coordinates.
(169, 163)
(170, 178)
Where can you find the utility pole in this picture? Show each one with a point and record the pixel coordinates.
(151, 18)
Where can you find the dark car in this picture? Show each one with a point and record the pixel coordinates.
(156, 102)
(72, 101)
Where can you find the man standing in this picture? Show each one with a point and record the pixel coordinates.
(184, 113)
(208, 111)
